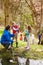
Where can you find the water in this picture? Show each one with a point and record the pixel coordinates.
(21, 61)
(0, 62)
(24, 61)
(36, 62)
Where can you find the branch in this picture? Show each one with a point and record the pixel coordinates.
(18, 6)
(31, 10)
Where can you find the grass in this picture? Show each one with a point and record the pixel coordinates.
(35, 52)
(1, 31)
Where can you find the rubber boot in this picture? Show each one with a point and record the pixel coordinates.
(16, 44)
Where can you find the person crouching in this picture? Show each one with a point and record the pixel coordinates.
(6, 40)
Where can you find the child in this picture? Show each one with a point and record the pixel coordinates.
(32, 38)
(27, 33)
(15, 29)
(21, 37)
(39, 38)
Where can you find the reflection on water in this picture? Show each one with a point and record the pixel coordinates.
(21, 61)
(36, 62)
(18, 61)
(6, 62)
(0, 61)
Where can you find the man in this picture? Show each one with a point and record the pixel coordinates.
(6, 40)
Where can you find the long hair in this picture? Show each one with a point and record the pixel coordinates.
(29, 28)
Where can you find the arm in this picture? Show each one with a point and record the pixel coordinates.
(16, 29)
(26, 33)
(11, 35)
(8, 38)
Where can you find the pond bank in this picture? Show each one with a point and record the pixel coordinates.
(21, 61)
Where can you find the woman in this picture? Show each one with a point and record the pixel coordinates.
(6, 37)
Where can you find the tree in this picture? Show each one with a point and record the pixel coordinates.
(6, 11)
(20, 8)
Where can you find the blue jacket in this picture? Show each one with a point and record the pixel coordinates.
(6, 37)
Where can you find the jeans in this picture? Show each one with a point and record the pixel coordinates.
(39, 41)
(6, 44)
(28, 42)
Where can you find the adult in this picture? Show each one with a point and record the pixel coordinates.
(6, 37)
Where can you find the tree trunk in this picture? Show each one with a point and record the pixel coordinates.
(6, 11)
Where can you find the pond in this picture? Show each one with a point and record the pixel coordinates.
(21, 61)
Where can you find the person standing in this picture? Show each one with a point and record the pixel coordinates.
(27, 33)
(21, 37)
(39, 38)
(15, 29)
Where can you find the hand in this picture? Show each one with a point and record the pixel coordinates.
(16, 33)
(14, 40)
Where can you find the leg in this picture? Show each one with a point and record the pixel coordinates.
(32, 41)
(25, 39)
(16, 42)
(5, 44)
(28, 43)
(39, 42)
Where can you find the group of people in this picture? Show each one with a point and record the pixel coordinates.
(7, 38)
